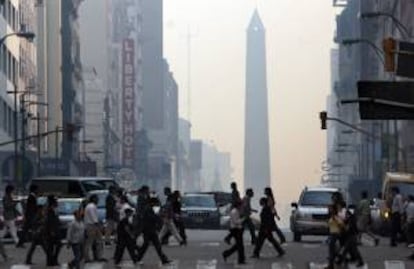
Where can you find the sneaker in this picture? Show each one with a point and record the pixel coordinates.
(165, 262)
(360, 264)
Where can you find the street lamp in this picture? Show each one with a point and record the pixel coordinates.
(401, 27)
(29, 36)
(352, 41)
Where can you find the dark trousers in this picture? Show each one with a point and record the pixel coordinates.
(280, 234)
(351, 247)
(77, 250)
(238, 245)
(35, 242)
(410, 232)
(181, 230)
(52, 251)
(395, 227)
(263, 235)
(151, 237)
(333, 239)
(27, 226)
(248, 223)
(121, 244)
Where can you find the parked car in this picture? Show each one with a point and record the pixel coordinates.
(310, 214)
(200, 210)
(73, 187)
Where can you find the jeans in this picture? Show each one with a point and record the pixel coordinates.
(93, 237)
(151, 237)
(247, 223)
(77, 250)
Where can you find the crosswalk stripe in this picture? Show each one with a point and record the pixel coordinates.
(394, 264)
(20, 266)
(353, 266)
(209, 264)
(172, 265)
(282, 265)
(311, 245)
(210, 244)
(313, 265)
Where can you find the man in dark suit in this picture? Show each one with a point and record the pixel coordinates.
(29, 214)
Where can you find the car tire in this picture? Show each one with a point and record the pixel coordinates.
(296, 237)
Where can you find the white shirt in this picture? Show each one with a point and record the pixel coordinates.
(91, 214)
(409, 210)
(397, 204)
(235, 220)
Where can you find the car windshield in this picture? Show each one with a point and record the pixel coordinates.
(316, 198)
(199, 201)
(68, 207)
(406, 188)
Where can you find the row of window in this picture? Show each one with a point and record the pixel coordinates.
(7, 115)
(11, 15)
(8, 64)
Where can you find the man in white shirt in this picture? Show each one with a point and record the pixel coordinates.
(397, 209)
(236, 230)
(93, 230)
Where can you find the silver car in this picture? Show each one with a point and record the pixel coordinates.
(310, 215)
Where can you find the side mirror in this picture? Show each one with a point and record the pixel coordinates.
(295, 205)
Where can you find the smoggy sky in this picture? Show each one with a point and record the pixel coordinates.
(299, 39)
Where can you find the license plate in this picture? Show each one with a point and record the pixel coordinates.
(198, 220)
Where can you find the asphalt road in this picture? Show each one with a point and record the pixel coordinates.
(204, 252)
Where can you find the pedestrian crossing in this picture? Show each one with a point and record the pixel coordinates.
(213, 264)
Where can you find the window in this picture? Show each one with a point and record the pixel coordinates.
(316, 198)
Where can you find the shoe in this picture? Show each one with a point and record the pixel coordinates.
(165, 262)
(241, 263)
(393, 244)
(183, 243)
(102, 260)
(281, 254)
(29, 263)
(376, 241)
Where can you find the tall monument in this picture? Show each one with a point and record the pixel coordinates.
(256, 136)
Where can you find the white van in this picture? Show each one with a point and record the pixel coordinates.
(72, 186)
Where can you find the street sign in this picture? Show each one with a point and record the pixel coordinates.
(405, 64)
(386, 100)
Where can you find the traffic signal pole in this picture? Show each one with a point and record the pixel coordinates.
(324, 117)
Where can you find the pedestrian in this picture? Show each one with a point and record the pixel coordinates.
(2, 249)
(76, 237)
(177, 219)
(363, 212)
(126, 238)
(123, 205)
(236, 230)
(10, 213)
(397, 209)
(150, 232)
(351, 241)
(30, 214)
(336, 226)
(409, 215)
(235, 196)
(93, 230)
(111, 214)
(38, 234)
(167, 215)
(52, 236)
(272, 204)
(267, 223)
(246, 213)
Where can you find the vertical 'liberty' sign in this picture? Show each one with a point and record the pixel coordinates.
(128, 100)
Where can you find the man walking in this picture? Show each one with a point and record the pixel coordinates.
(29, 214)
(397, 209)
(126, 238)
(267, 224)
(246, 212)
(236, 232)
(364, 217)
(111, 214)
(235, 198)
(93, 230)
(52, 235)
(10, 213)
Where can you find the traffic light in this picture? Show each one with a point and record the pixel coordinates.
(389, 46)
(323, 116)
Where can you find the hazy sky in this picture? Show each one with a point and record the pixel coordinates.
(299, 39)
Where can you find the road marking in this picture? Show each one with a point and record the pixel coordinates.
(172, 265)
(210, 244)
(394, 265)
(209, 264)
(282, 265)
(307, 245)
(353, 266)
(94, 265)
(313, 265)
(20, 266)
(244, 266)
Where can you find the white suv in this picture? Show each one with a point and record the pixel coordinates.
(310, 215)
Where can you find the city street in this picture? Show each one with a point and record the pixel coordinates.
(204, 252)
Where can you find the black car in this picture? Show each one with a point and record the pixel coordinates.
(200, 211)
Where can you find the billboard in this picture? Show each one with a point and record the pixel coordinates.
(128, 103)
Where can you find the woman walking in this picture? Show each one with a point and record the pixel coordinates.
(272, 204)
